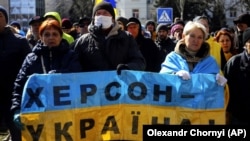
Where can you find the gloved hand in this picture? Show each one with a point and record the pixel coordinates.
(98, 35)
(52, 71)
(96, 30)
(221, 80)
(183, 74)
(121, 67)
(17, 120)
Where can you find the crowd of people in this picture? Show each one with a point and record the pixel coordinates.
(106, 42)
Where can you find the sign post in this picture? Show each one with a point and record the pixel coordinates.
(165, 15)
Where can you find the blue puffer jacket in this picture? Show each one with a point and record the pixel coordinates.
(42, 60)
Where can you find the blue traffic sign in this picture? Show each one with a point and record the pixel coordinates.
(164, 15)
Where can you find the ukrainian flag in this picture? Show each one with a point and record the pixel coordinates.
(98, 1)
(110, 1)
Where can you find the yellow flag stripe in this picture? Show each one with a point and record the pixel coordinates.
(98, 1)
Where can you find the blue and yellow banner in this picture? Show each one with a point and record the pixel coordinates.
(97, 106)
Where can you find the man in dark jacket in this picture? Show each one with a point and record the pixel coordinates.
(151, 27)
(237, 72)
(106, 46)
(147, 46)
(13, 50)
(163, 42)
(242, 23)
(33, 36)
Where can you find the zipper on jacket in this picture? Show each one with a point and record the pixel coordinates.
(50, 58)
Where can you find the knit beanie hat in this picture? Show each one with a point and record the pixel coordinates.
(161, 27)
(104, 5)
(66, 23)
(123, 20)
(133, 20)
(149, 22)
(175, 27)
(244, 18)
(246, 36)
(3, 10)
(16, 24)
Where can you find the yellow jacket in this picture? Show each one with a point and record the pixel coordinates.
(215, 49)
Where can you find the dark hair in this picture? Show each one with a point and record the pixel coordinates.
(244, 18)
(83, 21)
(150, 22)
(36, 19)
(225, 31)
(66, 23)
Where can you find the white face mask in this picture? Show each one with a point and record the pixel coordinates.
(105, 21)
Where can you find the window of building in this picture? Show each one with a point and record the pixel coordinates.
(233, 12)
(152, 13)
(149, 1)
(135, 13)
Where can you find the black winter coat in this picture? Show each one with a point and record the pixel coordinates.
(13, 50)
(165, 47)
(42, 60)
(100, 53)
(237, 72)
(150, 52)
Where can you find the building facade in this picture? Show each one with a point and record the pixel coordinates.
(23, 10)
(145, 10)
(141, 9)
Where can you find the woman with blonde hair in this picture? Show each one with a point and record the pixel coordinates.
(191, 55)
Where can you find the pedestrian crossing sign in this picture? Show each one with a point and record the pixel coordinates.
(164, 15)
